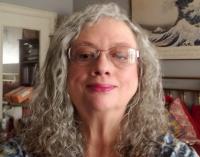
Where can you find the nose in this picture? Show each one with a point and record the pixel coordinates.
(102, 66)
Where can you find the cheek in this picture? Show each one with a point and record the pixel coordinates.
(73, 81)
(75, 73)
(131, 81)
(76, 77)
(72, 77)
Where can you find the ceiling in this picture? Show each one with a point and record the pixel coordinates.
(62, 7)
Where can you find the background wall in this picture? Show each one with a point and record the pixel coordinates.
(62, 7)
(184, 68)
(181, 68)
(80, 4)
(11, 36)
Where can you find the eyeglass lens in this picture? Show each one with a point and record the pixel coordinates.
(118, 55)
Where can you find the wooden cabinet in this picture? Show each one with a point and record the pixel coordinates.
(29, 60)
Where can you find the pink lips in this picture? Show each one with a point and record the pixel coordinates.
(100, 87)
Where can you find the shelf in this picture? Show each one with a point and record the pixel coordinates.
(10, 77)
(29, 60)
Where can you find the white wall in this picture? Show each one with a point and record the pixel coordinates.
(11, 36)
(62, 7)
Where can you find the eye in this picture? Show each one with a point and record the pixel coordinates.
(82, 55)
(120, 56)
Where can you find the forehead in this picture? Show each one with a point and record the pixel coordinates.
(107, 31)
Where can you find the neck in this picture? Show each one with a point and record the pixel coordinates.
(101, 131)
(101, 126)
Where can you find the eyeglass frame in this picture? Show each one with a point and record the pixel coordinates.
(98, 52)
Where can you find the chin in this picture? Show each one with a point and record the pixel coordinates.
(106, 106)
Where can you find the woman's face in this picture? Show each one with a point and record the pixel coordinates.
(102, 85)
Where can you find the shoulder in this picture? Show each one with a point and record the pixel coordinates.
(12, 148)
(172, 147)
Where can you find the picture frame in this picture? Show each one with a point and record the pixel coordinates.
(173, 26)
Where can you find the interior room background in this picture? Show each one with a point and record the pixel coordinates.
(180, 68)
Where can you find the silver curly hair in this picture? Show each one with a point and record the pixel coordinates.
(54, 127)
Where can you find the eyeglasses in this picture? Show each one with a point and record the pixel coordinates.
(86, 55)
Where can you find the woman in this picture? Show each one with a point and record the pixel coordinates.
(100, 92)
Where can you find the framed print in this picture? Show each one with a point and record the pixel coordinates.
(173, 26)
